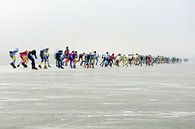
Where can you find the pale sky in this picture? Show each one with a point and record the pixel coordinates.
(165, 27)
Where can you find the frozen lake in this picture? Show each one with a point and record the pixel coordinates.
(159, 97)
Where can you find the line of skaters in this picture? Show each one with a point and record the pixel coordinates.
(88, 60)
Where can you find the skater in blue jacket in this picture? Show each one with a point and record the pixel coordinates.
(12, 54)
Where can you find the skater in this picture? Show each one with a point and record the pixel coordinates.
(86, 62)
(70, 58)
(24, 59)
(141, 60)
(67, 52)
(75, 56)
(149, 60)
(32, 56)
(58, 57)
(124, 59)
(136, 59)
(47, 58)
(129, 60)
(43, 55)
(111, 60)
(105, 59)
(96, 57)
(91, 60)
(81, 58)
(63, 58)
(118, 60)
(13, 57)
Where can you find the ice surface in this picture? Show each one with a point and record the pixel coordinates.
(159, 97)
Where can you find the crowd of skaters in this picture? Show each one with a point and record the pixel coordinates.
(69, 58)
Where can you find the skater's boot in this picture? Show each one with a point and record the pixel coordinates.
(34, 68)
(45, 67)
(12, 64)
(24, 65)
(40, 66)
